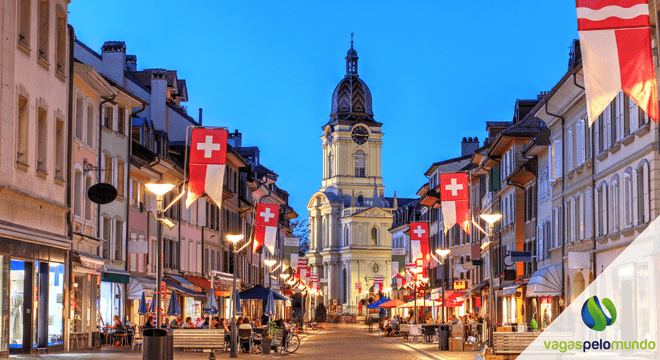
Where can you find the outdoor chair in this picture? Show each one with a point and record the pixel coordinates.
(137, 338)
(245, 337)
(428, 334)
(404, 331)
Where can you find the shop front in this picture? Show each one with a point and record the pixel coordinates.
(85, 327)
(136, 287)
(511, 304)
(33, 281)
(113, 286)
(544, 291)
(222, 289)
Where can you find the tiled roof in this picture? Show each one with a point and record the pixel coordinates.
(497, 123)
(529, 125)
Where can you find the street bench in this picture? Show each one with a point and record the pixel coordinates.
(199, 339)
(512, 343)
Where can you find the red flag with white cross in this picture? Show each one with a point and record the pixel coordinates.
(265, 228)
(419, 241)
(455, 199)
(208, 156)
(615, 40)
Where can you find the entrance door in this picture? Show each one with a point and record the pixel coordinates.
(20, 309)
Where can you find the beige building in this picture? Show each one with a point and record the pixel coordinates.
(34, 152)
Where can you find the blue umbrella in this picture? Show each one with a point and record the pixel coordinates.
(211, 305)
(142, 309)
(237, 299)
(173, 309)
(270, 305)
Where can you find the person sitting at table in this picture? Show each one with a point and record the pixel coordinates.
(264, 319)
(118, 328)
(257, 324)
(198, 323)
(206, 324)
(387, 327)
(245, 324)
(174, 323)
(149, 324)
(214, 322)
(188, 323)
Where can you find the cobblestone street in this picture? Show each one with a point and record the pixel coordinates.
(336, 341)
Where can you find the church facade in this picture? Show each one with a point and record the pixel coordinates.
(349, 216)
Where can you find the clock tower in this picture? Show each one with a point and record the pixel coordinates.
(352, 141)
(349, 217)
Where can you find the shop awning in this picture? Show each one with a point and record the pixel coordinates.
(89, 261)
(115, 276)
(222, 286)
(545, 282)
(138, 285)
(184, 290)
(183, 282)
(478, 288)
(511, 290)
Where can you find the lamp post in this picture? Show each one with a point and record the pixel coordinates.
(159, 190)
(234, 330)
(443, 254)
(269, 263)
(491, 219)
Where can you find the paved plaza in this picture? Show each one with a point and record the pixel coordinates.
(336, 341)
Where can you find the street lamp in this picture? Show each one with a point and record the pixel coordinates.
(491, 219)
(269, 263)
(234, 331)
(159, 190)
(443, 254)
(414, 271)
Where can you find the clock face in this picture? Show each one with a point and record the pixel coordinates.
(360, 135)
(374, 268)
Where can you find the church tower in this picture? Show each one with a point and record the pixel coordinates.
(352, 142)
(349, 217)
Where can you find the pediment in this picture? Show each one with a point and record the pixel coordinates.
(374, 212)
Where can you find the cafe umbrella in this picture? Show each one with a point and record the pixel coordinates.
(173, 309)
(211, 305)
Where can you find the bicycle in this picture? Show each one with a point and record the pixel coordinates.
(291, 340)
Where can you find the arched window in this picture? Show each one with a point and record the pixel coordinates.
(90, 123)
(360, 200)
(360, 164)
(346, 239)
(627, 198)
(614, 205)
(374, 236)
(77, 192)
(80, 109)
(330, 165)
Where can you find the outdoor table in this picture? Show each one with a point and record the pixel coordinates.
(415, 332)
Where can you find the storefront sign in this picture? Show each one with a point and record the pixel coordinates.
(290, 250)
(399, 252)
(521, 256)
(460, 285)
(477, 302)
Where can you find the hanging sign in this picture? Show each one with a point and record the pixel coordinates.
(460, 285)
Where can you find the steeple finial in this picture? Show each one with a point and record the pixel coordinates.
(351, 59)
(352, 40)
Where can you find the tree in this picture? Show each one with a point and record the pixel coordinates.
(300, 229)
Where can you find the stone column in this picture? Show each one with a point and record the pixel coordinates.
(319, 228)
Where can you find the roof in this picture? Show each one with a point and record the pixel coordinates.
(144, 76)
(457, 161)
(498, 124)
(399, 201)
(530, 125)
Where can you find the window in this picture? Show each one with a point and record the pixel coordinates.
(557, 160)
(109, 117)
(570, 149)
(570, 226)
(119, 227)
(107, 230)
(21, 151)
(61, 41)
(121, 113)
(359, 164)
(579, 214)
(77, 193)
(627, 198)
(588, 214)
(614, 206)
(642, 118)
(59, 149)
(107, 167)
(615, 115)
(374, 236)
(42, 140)
(120, 178)
(80, 108)
(643, 193)
(601, 132)
(627, 114)
(603, 221)
(89, 207)
(24, 23)
(43, 29)
(90, 123)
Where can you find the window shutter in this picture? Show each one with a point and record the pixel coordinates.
(570, 150)
(494, 179)
(557, 160)
(607, 115)
(645, 181)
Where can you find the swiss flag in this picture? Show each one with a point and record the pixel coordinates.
(265, 229)
(208, 152)
(455, 199)
(419, 241)
(615, 40)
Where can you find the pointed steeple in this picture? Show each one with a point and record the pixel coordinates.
(351, 60)
(395, 205)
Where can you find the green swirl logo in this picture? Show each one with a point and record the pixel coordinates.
(594, 316)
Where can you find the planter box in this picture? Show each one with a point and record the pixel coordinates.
(265, 346)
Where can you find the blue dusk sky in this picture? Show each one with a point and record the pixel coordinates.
(437, 70)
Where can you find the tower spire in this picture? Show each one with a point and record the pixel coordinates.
(351, 60)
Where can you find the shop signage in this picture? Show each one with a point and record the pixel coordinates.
(92, 263)
(460, 285)
(521, 256)
(399, 252)
(477, 302)
(477, 262)
(291, 241)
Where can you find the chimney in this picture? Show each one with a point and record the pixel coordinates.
(131, 63)
(235, 139)
(200, 116)
(159, 98)
(575, 56)
(469, 145)
(113, 55)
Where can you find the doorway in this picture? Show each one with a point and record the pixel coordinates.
(20, 309)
